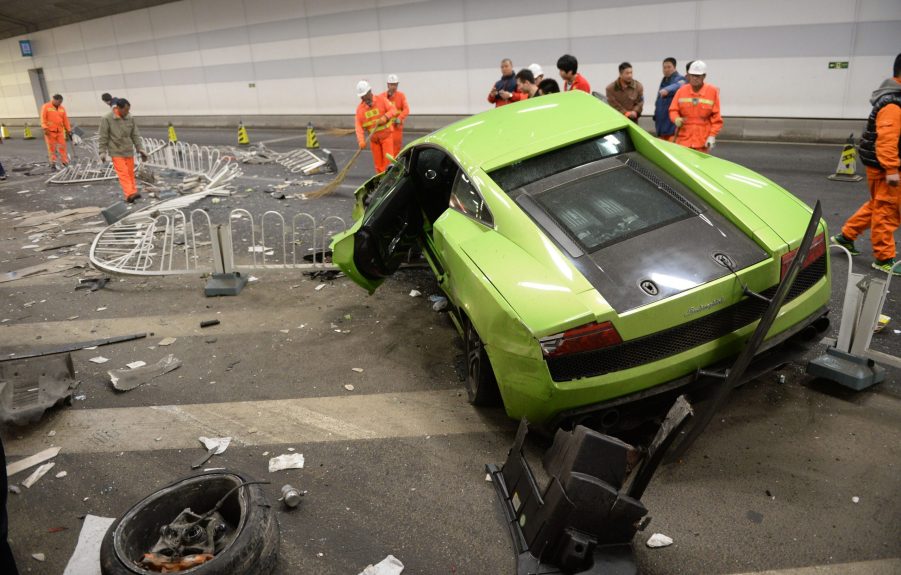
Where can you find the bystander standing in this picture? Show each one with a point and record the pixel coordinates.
(502, 92)
(568, 67)
(626, 94)
(672, 81)
(695, 110)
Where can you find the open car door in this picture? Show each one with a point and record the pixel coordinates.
(375, 246)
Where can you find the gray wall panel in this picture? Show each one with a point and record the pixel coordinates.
(291, 29)
(343, 23)
(229, 73)
(873, 37)
(109, 83)
(282, 69)
(420, 14)
(484, 10)
(80, 84)
(633, 48)
(369, 65)
(73, 59)
(137, 49)
(177, 44)
(522, 53)
(105, 54)
(575, 5)
(182, 76)
(222, 38)
(425, 60)
(776, 41)
(143, 79)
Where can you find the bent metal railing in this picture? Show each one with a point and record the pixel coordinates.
(162, 240)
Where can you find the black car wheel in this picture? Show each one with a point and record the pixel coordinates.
(251, 549)
(481, 385)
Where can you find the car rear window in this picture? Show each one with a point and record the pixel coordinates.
(537, 168)
(610, 206)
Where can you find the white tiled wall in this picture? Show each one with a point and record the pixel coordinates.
(200, 57)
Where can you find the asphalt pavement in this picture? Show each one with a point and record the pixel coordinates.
(791, 475)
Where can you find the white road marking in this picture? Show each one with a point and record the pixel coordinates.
(281, 421)
(878, 567)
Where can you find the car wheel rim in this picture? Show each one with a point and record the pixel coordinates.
(473, 357)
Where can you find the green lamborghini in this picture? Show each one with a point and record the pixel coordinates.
(587, 264)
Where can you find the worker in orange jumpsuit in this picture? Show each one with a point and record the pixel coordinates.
(879, 153)
(695, 110)
(55, 123)
(374, 117)
(399, 99)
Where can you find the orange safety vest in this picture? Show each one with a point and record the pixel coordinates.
(700, 112)
(54, 119)
(368, 118)
(399, 99)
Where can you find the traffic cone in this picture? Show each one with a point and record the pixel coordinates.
(312, 141)
(847, 164)
(4, 132)
(243, 139)
(172, 137)
(26, 133)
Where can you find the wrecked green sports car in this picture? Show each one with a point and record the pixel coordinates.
(588, 264)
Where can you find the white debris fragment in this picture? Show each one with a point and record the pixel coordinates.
(320, 286)
(51, 433)
(252, 279)
(291, 449)
(659, 540)
(488, 477)
(349, 387)
(167, 341)
(357, 369)
(220, 444)
(37, 474)
(415, 293)
(61, 474)
(136, 364)
(286, 461)
(39, 556)
(99, 359)
(390, 565)
(86, 557)
(855, 499)
(101, 308)
(285, 330)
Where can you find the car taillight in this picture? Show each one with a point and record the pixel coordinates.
(583, 338)
(817, 249)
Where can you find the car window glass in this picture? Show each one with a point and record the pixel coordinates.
(465, 198)
(539, 167)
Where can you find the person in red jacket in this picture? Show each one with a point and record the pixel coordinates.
(695, 110)
(502, 92)
(374, 116)
(55, 123)
(879, 152)
(399, 99)
(568, 67)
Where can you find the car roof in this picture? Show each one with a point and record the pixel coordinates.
(523, 129)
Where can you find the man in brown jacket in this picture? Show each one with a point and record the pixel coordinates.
(626, 94)
(119, 138)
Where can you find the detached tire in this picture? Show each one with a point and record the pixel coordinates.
(481, 385)
(254, 549)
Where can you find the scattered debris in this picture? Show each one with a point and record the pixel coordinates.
(39, 556)
(136, 364)
(15, 489)
(319, 287)
(214, 446)
(855, 499)
(390, 565)
(29, 387)
(51, 433)
(31, 461)
(61, 474)
(209, 322)
(286, 461)
(167, 341)
(50, 267)
(128, 379)
(37, 474)
(291, 496)
(76, 346)
(439, 302)
(349, 387)
(357, 369)
(659, 540)
(92, 284)
(85, 559)
(415, 293)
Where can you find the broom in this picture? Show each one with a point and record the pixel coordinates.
(333, 185)
(340, 131)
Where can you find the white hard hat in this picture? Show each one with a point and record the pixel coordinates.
(536, 70)
(392, 79)
(363, 88)
(698, 68)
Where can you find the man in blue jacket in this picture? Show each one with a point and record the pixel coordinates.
(671, 81)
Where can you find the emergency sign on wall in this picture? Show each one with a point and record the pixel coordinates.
(25, 48)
